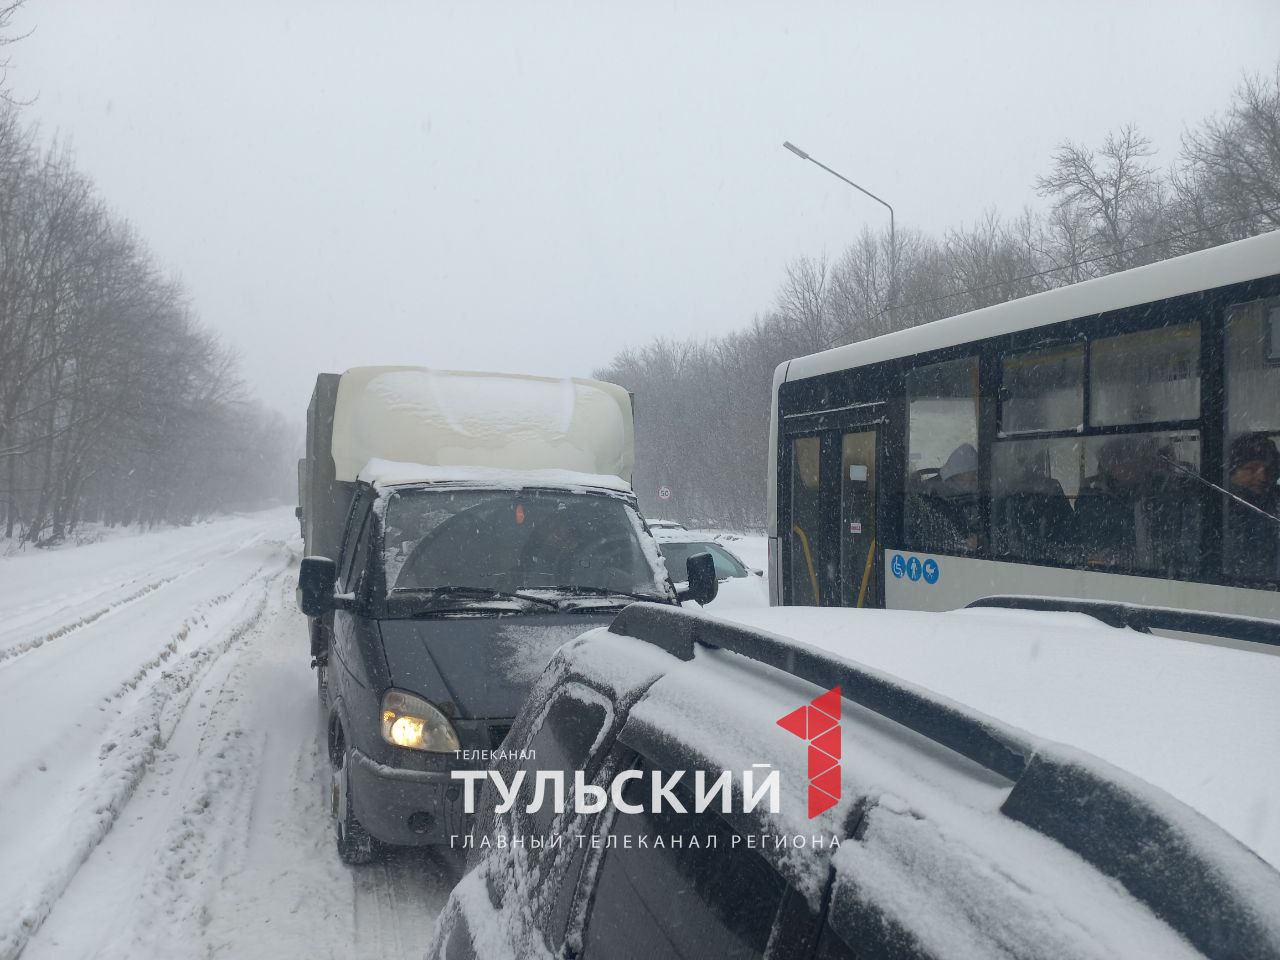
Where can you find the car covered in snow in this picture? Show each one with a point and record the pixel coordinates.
(978, 783)
(664, 524)
(448, 585)
(740, 584)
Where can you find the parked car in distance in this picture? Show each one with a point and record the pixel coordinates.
(740, 585)
(664, 525)
(941, 829)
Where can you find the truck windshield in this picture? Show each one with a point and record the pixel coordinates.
(510, 540)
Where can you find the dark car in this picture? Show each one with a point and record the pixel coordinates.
(446, 601)
(904, 825)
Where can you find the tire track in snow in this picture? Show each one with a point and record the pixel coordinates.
(226, 849)
(16, 650)
(26, 646)
(129, 749)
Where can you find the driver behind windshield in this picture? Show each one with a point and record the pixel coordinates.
(553, 553)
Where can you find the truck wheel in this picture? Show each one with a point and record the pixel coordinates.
(355, 845)
(322, 686)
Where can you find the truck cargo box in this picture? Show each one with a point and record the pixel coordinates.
(452, 418)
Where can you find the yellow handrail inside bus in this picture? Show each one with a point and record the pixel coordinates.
(808, 559)
(866, 572)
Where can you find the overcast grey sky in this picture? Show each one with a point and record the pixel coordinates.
(533, 186)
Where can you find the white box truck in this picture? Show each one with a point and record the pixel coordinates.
(458, 528)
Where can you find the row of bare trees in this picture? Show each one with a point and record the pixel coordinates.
(115, 404)
(702, 405)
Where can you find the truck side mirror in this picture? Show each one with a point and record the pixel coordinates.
(317, 577)
(703, 585)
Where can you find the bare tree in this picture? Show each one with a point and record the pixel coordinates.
(1108, 191)
(1228, 184)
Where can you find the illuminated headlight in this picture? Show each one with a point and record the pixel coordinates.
(409, 721)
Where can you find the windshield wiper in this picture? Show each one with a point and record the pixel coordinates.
(598, 592)
(480, 593)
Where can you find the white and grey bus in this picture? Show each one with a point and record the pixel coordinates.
(1114, 440)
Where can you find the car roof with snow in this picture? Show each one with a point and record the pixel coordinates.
(668, 535)
(392, 473)
(983, 806)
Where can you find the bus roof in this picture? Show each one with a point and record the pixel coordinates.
(1219, 266)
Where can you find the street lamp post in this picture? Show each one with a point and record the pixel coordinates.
(893, 239)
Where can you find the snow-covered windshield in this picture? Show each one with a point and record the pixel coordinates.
(513, 540)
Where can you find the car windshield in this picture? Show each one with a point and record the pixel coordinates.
(678, 552)
(515, 540)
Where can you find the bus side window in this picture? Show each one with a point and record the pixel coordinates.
(1251, 534)
(1140, 505)
(942, 497)
(1033, 478)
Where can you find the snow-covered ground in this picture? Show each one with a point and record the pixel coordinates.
(161, 782)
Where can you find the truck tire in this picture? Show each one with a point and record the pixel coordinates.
(322, 686)
(355, 844)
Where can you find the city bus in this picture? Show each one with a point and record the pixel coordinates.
(1112, 440)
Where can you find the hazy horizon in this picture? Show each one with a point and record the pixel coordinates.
(516, 189)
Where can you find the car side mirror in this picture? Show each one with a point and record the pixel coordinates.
(317, 577)
(703, 585)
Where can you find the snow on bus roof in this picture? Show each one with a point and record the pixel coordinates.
(1204, 270)
(1201, 722)
(393, 473)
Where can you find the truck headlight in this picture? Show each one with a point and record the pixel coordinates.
(411, 722)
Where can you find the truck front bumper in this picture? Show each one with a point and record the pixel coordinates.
(407, 807)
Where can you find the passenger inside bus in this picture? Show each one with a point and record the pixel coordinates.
(1141, 510)
(1032, 517)
(1252, 547)
(949, 512)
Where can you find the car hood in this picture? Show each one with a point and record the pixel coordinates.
(483, 666)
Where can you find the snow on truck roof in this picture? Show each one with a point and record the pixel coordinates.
(391, 473)
(451, 418)
(1219, 266)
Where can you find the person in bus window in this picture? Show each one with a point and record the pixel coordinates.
(1252, 548)
(1032, 518)
(955, 497)
(1108, 506)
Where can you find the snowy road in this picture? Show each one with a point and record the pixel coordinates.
(161, 782)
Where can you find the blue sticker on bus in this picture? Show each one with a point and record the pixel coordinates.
(913, 569)
(931, 571)
(898, 566)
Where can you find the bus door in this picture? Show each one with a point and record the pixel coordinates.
(830, 538)
(859, 576)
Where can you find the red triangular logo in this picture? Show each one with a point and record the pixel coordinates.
(819, 762)
(829, 703)
(819, 722)
(794, 722)
(829, 742)
(829, 782)
(820, 801)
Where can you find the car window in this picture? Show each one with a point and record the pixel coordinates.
(570, 737)
(356, 551)
(574, 723)
(679, 900)
(678, 552)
